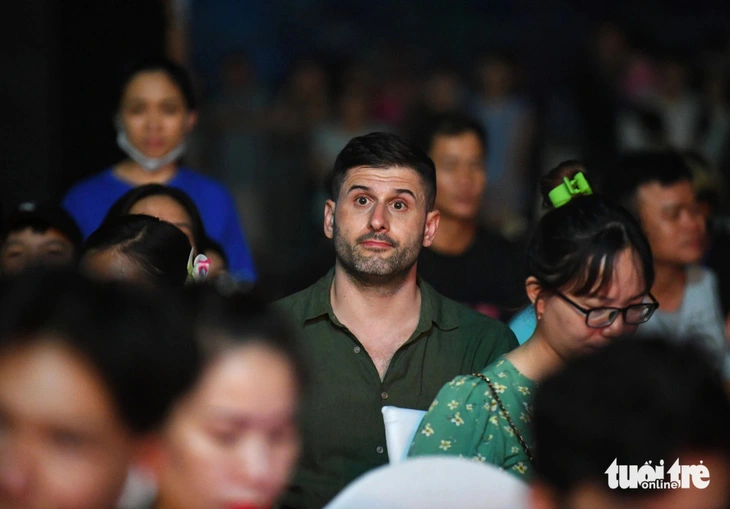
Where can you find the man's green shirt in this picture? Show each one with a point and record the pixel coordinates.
(342, 425)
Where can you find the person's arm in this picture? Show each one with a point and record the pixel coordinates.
(82, 210)
(233, 241)
(717, 327)
(455, 422)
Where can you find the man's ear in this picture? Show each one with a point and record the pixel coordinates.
(432, 226)
(191, 121)
(329, 219)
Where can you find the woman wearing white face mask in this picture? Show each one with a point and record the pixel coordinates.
(156, 111)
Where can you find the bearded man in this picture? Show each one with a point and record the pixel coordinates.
(373, 332)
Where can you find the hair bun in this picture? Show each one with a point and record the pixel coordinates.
(555, 177)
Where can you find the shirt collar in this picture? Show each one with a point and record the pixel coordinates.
(435, 309)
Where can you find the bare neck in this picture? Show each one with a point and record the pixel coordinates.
(356, 302)
(454, 235)
(133, 173)
(670, 281)
(535, 359)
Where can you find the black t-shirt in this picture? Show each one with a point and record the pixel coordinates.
(489, 276)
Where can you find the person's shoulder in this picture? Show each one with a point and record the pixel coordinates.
(468, 317)
(307, 302)
(490, 335)
(294, 303)
(101, 179)
(700, 277)
(201, 182)
(497, 368)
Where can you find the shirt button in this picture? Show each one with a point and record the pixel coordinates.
(379, 449)
(356, 349)
(383, 395)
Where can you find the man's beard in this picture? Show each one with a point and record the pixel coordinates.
(376, 270)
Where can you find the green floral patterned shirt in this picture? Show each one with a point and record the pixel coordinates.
(465, 420)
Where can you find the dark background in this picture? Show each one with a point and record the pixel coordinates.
(60, 60)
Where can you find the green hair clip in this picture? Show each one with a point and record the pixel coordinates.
(565, 192)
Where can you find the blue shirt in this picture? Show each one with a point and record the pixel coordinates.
(523, 324)
(89, 200)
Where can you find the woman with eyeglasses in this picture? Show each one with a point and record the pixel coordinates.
(591, 272)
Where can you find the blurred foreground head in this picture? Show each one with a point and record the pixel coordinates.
(137, 249)
(233, 439)
(633, 402)
(87, 371)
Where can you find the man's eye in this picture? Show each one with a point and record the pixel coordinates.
(55, 252)
(68, 439)
(137, 109)
(170, 109)
(362, 200)
(399, 205)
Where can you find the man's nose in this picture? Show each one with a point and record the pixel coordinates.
(379, 218)
(254, 463)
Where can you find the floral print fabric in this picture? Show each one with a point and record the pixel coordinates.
(465, 420)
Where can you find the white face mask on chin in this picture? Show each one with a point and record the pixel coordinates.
(148, 163)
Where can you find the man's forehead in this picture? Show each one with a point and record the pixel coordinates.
(676, 192)
(392, 176)
(29, 235)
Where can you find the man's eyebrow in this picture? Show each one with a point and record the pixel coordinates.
(407, 191)
(53, 242)
(357, 187)
(671, 204)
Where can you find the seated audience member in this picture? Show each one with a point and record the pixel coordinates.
(165, 203)
(651, 402)
(233, 439)
(657, 188)
(156, 111)
(38, 235)
(138, 249)
(590, 274)
(466, 262)
(174, 206)
(524, 322)
(87, 371)
(372, 332)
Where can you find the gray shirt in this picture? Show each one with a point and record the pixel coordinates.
(698, 318)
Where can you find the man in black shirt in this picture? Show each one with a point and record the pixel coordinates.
(466, 262)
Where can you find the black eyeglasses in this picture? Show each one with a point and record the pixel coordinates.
(598, 318)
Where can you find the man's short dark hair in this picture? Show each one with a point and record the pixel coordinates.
(635, 400)
(384, 150)
(635, 169)
(451, 124)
